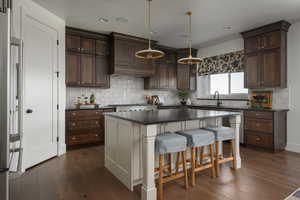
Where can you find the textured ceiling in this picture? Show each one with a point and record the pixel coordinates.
(168, 20)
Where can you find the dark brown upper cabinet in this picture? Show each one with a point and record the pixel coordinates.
(165, 71)
(73, 68)
(266, 56)
(123, 60)
(87, 59)
(73, 43)
(186, 74)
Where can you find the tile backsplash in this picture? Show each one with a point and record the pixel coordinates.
(123, 90)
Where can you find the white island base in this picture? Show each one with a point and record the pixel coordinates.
(129, 149)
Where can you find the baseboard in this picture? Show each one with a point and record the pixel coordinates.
(62, 149)
(293, 147)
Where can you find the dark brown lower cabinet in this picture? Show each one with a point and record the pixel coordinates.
(85, 127)
(266, 129)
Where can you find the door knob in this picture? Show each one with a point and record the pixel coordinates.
(29, 111)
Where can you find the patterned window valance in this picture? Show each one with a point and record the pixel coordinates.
(226, 63)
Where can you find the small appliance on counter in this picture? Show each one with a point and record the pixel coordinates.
(153, 100)
(261, 99)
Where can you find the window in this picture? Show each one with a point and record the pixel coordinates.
(228, 83)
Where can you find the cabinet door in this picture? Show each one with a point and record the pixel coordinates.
(183, 77)
(172, 76)
(102, 78)
(87, 70)
(271, 68)
(193, 78)
(72, 69)
(102, 48)
(252, 70)
(163, 75)
(271, 40)
(73, 43)
(253, 44)
(87, 46)
(124, 53)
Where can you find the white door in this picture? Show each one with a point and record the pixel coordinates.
(40, 91)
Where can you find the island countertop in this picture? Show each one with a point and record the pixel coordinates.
(169, 115)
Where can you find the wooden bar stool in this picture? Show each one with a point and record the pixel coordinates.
(167, 144)
(199, 138)
(223, 134)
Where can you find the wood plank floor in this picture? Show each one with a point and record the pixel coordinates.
(80, 175)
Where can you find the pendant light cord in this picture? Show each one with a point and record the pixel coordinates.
(190, 32)
(149, 22)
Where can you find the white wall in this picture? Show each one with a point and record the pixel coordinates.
(59, 25)
(294, 85)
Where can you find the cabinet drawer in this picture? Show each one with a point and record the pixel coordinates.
(258, 115)
(83, 113)
(85, 139)
(260, 125)
(83, 124)
(261, 140)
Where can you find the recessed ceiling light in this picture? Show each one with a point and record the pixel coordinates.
(103, 20)
(227, 28)
(121, 19)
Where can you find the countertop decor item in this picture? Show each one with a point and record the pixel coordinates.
(190, 60)
(183, 95)
(149, 53)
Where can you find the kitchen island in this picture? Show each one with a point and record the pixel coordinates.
(130, 141)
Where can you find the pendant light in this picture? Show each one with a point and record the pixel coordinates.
(149, 53)
(190, 60)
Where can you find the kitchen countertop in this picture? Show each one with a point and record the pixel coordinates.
(237, 108)
(169, 115)
(99, 108)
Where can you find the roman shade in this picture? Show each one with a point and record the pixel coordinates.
(225, 63)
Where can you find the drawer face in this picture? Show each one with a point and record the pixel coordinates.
(261, 140)
(83, 124)
(260, 125)
(85, 139)
(258, 115)
(83, 113)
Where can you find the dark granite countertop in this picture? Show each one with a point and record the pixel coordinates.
(213, 107)
(99, 108)
(169, 115)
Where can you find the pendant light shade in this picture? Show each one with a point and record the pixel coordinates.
(149, 53)
(190, 60)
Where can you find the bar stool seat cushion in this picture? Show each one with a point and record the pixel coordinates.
(170, 143)
(198, 137)
(222, 133)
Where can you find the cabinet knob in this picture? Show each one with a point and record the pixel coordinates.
(73, 138)
(73, 124)
(257, 139)
(97, 122)
(96, 135)
(73, 113)
(257, 124)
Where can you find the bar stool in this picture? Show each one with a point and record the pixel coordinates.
(167, 144)
(223, 133)
(199, 138)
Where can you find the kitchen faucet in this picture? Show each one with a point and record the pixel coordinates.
(217, 96)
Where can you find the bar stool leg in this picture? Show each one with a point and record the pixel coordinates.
(178, 162)
(193, 161)
(185, 170)
(217, 165)
(232, 145)
(213, 169)
(170, 164)
(161, 174)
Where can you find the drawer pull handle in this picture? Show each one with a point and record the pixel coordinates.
(73, 124)
(257, 139)
(257, 124)
(97, 122)
(73, 138)
(73, 113)
(97, 135)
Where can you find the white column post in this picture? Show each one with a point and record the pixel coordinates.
(148, 188)
(235, 123)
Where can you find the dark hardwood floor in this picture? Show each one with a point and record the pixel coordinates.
(80, 175)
